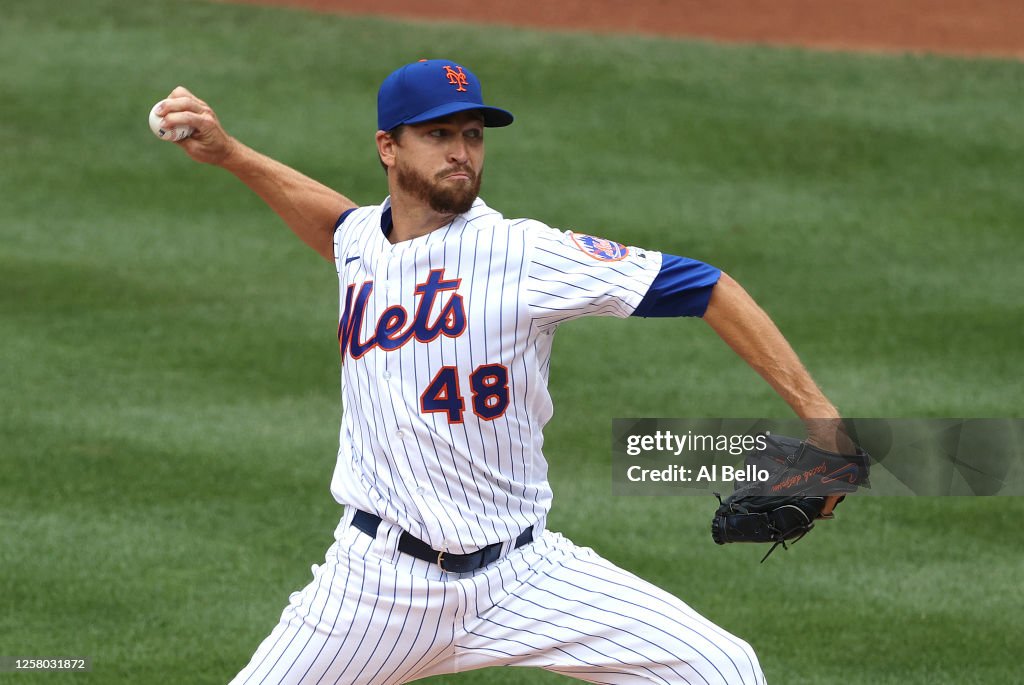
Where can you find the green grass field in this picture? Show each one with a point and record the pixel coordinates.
(169, 405)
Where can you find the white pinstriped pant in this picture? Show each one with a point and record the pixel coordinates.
(373, 615)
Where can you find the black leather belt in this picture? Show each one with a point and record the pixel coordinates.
(451, 563)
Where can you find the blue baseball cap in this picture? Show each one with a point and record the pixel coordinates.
(431, 89)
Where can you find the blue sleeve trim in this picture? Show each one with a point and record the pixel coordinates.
(682, 288)
(344, 215)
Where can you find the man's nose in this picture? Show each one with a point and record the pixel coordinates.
(458, 151)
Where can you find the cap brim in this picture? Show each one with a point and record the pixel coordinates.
(493, 117)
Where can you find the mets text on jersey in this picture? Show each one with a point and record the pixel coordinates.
(393, 328)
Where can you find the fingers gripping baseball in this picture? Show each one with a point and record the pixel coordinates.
(208, 143)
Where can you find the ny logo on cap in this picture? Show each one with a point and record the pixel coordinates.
(457, 78)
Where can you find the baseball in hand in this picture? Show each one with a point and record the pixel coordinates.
(172, 134)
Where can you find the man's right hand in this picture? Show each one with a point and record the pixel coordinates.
(209, 142)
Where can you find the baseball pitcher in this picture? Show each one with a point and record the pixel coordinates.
(442, 561)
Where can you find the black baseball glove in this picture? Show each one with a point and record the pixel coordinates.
(803, 484)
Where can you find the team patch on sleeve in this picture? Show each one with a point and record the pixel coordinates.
(601, 249)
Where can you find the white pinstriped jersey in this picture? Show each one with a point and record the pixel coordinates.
(445, 342)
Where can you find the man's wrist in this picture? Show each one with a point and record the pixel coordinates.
(829, 434)
(235, 157)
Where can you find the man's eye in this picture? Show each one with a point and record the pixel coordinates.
(439, 133)
(474, 133)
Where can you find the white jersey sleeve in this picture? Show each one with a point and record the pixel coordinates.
(574, 274)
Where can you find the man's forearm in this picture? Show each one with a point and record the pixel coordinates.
(751, 333)
(309, 208)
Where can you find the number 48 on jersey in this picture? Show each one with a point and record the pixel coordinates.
(489, 395)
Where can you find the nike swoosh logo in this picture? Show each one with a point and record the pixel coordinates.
(847, 473)
(350, 259)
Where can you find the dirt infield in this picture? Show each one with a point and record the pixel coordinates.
(964, 27)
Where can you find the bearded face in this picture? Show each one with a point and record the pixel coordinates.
(443, 194)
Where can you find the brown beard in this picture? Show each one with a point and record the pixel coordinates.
(442, 199)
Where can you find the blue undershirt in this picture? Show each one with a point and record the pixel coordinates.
(682, 288)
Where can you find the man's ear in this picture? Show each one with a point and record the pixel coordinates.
(386, 145)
